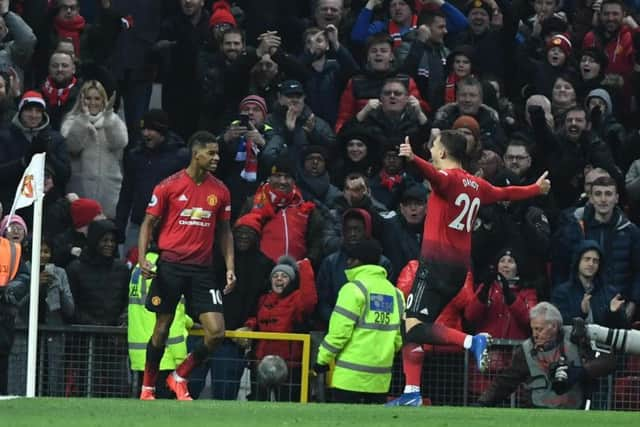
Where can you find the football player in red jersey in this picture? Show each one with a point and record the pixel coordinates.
(187, 207)
(446, 246)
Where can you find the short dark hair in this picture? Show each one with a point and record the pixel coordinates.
(200, 139)
(618, 2)
(379, 38)
(518, 141)
(427, 17)
(234, 30)
(576, 108)
(311, 31)
(402, 82)
(604, 181)
(470, 81)
(455, 143)
(352, 176)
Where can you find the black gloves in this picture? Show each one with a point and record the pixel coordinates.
(537, 220)
(320, 369)
(39, 144)
(578, 331)
(563, 376)
(509, 297)
(483, 294)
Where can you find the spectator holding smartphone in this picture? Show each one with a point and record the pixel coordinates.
(243, 143)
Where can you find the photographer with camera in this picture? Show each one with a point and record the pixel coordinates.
(555, 365)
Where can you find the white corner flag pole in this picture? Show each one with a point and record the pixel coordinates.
(34, 297)
(30, 190)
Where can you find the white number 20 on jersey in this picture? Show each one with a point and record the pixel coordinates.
(464, 220)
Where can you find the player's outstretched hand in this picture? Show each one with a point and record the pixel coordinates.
(406, 150)
(544, 183)
(231, 282)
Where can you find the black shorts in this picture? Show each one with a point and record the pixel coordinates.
(434, 286)
(196, 284)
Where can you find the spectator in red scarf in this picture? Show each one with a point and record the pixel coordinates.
(61, 87)
(291, 226)
(68, 23)
(459, 66)
(92, 44)
(388, 185)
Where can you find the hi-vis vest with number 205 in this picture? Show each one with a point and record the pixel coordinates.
(364, 331)
(10, 253)
(142, 321)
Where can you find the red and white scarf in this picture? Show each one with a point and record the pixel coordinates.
(54, 96)
(389, 181)
(70, 28)
(248, 153)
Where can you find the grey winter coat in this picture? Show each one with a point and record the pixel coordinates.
(17, 47)
(96, 147)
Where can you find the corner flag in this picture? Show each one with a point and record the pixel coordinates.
(31, 186)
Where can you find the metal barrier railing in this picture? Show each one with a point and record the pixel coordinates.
(92, 361)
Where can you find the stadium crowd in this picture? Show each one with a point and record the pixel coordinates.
(309, 102)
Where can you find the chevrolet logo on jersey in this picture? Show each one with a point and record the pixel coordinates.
(195, 216)
(196, 213)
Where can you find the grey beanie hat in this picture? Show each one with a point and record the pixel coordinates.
(602, 94)
(286, 265)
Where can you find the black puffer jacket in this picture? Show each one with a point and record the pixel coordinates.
(99, 284)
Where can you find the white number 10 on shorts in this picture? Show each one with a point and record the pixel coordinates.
(216, 296)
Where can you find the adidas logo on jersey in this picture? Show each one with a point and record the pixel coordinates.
(182, 198)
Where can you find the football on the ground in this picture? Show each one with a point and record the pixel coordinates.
(272, 370)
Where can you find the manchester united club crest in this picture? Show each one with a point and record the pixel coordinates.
(212, 200)
(27, 187)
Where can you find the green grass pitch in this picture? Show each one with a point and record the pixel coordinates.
(123, 412)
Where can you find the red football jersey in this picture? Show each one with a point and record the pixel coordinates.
(188, 214)
(452, 209)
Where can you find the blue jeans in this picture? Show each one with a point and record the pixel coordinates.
(226, 364)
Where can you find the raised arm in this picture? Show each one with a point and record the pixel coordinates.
(438, 179)
(493, 194)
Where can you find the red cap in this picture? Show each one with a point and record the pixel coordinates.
(467, 122)
(32, 97)
(251, 220)
(83, 211)
(561, 41)
(221, 14)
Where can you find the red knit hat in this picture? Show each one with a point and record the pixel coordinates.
(83, 211)
(221, 14)
(255, 100)
(467, 122)
(251, 220)
(32, 97)
(561, 41)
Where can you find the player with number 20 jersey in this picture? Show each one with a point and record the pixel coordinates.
(446, 247)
